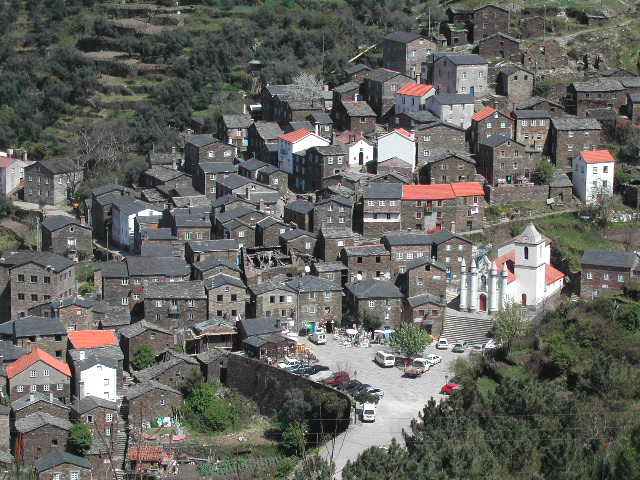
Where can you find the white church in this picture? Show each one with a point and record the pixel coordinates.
(521, 273)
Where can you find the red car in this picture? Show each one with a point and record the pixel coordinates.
(338, 378)
(449, 388)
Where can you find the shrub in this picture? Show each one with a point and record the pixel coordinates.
(144, 357)
(79, 439)
(205, 412)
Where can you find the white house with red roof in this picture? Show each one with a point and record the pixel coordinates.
(294, 142)
(521, 273)
(593, 175)
(12, 170)
(413, 97)
(398, 143)
(96, 362)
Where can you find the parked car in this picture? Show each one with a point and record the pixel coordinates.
(312, 370)
(357, 389)
(385, 359)
(477, 349)
(319, 338)
(459, 347)
(491, 344)
(348, 385)
(433, 359)
(373, 391)
(443, 344)
(321, 376)
(417, 368)
(289, 363)
(338, 378)
(368, 413)
(449, 388)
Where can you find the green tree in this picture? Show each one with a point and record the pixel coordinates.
(315, 468)
(369, 321)
(366, 397)
(294, 437)
(144, 357)
(545, 172)
(205, 412)
(79, 439)
(511, 323)
(410, 339)
(626, 461)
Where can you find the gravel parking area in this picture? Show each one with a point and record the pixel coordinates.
(403, 397)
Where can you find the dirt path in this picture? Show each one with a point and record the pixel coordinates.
(563, 40)
(20, 229)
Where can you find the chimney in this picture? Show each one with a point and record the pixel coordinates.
(244, 108)
(24, 155)
(82, 355)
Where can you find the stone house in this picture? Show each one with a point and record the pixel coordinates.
(532, 128)
(101, 416)
(197, 251)
(426, 310)
(381, 208)
(502, 160)
(490, 19)
(205, 148)
(250, 168)
(274, 177)
(318, 163)
(143, 333)
(333, 211)
(263, 141)
(226, 297)
(462, 74)
(319, 300)
(545, 55)
(379, 298)
(367, 262)
(569, 136)
(403, 52)
(59, 465)
(39, 434)
(243, 232)
(456, 109)
(355, 116)
(456, 34)
(404, 247)
(213, 266)
(268, 231)
(334, 271)
(455, 206)
(488, 122)
(38, 402)
(322, 123)
(175, 306)
(209, 336)
(159, 175)
(531, 27)
(606, 272)
(149, 400)
(501, 46)
(633, 107)
(298, 241)
(247, 215)
(187, 227)
(234, 130)
(435, 137)
(380, 87)
(174, 372)
(395, 165)
(447, 166)
(99, 207)
(349, 91)
(539, 103)
(206, 175)
(331, 241)
(5, 435)
(515, 83)
(561, 187)
(424, 274)
(355, 72)
(45, 333)
(29, 279)
(459, 14)
(50, 182)
(606, 93)
(235, 184)
(61, 234)
(300, 212)
(272, 299)
(412, 120)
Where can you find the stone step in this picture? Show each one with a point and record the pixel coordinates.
(471, 329)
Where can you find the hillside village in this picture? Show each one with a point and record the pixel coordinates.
(347, 210)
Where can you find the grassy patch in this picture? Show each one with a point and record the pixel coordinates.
(486, 386)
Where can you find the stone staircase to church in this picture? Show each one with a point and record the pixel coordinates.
(465, 326)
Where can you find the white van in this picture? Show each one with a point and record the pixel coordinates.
(319, 338)
(368, 412)
(385, 359)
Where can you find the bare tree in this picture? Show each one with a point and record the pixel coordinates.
(308, 80)
(601, 204)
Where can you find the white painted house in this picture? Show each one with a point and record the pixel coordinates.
(522, 273)
(464, 74)
(593, 172)
(413, 97)
(12, 170)
(294, 142)
(454, 109)
(98, 377)
(398, 143)
(360, 149)
(124, 211)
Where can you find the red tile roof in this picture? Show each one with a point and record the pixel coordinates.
(36, 355)
(484, 113)
(552, 274)
(427, 192)
(597, 156)
(404, 132)
(466, 189)
(296, 135)
(92, 338)
(509, 258)
(146, 453)
(415, 89)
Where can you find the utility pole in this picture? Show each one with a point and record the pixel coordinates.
(322, 54)
(429, 23)
(38, 238)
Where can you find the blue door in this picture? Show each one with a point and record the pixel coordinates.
(471, 90)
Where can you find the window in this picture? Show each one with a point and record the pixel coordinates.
(187, 235)
(312, 309)
(399, 255)
(33, 373)
(426, 153)
(489, 125)
(381, 203)
(57, 476)
(21, 296)
(46, 372)
(523, 123)
(136, 296)
(21, 278)
(371, 203)
(372, 303)
(330, 160)
(341, 243)
(241, 233)
(34, 388)
(162, 401)
(34, 279)
(20, 388)
(605, 169)
(74, 476)
(59, 386)
(606, 276)
(589, 276)
(595, 169)
(34, 297)
(107, 431)
(307, 245)
(124, 301)
(137, 281)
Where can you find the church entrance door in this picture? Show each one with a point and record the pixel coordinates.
(483, 303)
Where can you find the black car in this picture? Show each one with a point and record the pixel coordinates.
(312, 370)
(349, 385)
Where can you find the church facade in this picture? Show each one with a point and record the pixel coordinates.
(521, 273)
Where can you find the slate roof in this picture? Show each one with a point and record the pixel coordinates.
(252, 164)
(270, 169)
(629, 82)
(211, 355)
(423, 299)
(609, 258)
(422, 261)
(212, 262)
(38, 419)
(55, 166)
(222, 279)
(235, 213)
(237, 120)
(429, 125)
(453, 99)
(267, 222)
(56, 222)
(311, 283)
(193, 289)
(260, 326)
(139, 389)
(448, 153)
(391, 191)
(11, 352)
(137, 328)
(533, 101)
(112, 269)
(268, 130)
(112, 187)
(130, 205)
(217, 167)
(358, 109)
(234, 181)
(560, 179)
(461, 59)
(201, 140)
(336, 149)
(35, 326)
(86, 404)
(192, 221)
(152, 372)
(300, 206)
(321, 118)
(164, 174)
(159, 234)
(302, 124)
(6, 458)
(269, 286)
(524, 114)
(373, 289)
(170, 266)
(574, 123)
(395, 239)
(422, 116)
(598, 85)
(329, 266)
(35, 397)
(381, 75)
(377, 250)
(355, 68)
(58, 458)
(112, 315)
(295, 233)
(496, 140)
(222, 245)
(402, 37)
(160, 251)
(45, 259)
(347, 202)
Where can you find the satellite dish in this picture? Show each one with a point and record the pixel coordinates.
(359, 276)
(307, 268)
